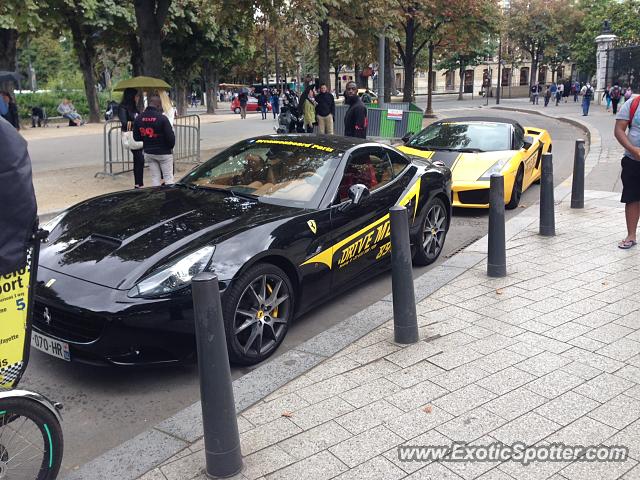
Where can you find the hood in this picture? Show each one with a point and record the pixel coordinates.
(113, 239)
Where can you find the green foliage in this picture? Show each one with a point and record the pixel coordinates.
(625, 23)
(51, 100)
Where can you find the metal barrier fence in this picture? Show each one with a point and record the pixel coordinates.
(118, 160)
(380, 123)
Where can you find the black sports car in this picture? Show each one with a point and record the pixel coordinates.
(284, 221)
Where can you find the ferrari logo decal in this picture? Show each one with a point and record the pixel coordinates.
(312, 226)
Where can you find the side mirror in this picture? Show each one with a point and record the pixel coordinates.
(358, 193)
(407, 136)
(528, 142)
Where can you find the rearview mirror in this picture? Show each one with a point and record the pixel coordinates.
(528, 142)
(407, 136)
(358, 193)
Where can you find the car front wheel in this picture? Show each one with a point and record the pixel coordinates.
(516, 193)
(236, 110)
(258, 308)
(433, 231)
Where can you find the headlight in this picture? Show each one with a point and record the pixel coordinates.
(173, 276)
(493, 169)
(53, 223)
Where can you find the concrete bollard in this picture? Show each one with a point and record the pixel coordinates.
(547, 213)
(221, 438)
(497, 253)
(577, 185)
(405, 321)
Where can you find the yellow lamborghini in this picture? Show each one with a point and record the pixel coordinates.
(474, 148)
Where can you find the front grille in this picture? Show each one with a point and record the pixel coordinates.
(74, 327)
(477, 197)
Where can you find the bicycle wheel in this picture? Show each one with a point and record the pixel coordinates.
(30, 441)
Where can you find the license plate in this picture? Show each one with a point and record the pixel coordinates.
(49, 345)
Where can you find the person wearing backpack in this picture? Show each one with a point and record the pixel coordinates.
(629, 118)
(587, 96)
(615, 93)
(606, 95)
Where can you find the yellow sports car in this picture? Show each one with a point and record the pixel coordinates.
(474, 148)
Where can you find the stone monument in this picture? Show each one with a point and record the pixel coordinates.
(605, 41)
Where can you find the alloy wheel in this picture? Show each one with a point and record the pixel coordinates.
(434, 230)
(262, 314)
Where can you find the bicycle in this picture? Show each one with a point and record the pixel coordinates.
(31, 441)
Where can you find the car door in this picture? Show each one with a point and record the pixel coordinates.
(361, 231)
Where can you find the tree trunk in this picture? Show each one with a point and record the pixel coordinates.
(461, 88)
(266, 59)
(210, 86)
(323, 53)
(276, 57)
(409, 60)
(8, 42)
(181, 95)
(136, 55)
(389, 81)
(150, 17)
(361, 82)
(430, 80)
(533, 75)
(336, 78)
(85, 51)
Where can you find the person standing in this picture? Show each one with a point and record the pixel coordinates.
(575, 90)
(355, 119)
(325, 110)
(630, 174)
(309, 110)
(587, 95)
(154, 130)
(168, 110)
(275, 103)
(263, 101)
(366, 97)
(12, 115)
(567, 90)
(535, 91)
(606, 95)
(547, 96)
(554, 90)
(127, 114)
(559, 93)
(615, 93)
(243, 99)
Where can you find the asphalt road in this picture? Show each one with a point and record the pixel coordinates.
(105, 406)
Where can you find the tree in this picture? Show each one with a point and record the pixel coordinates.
(150, 17)
(625, 23)
(16, 16)
(532, 25)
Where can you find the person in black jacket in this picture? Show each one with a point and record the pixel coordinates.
(12, 115)
(355, 120)
(325, 110)
(154, 130)
(127, 113)
(18, 200)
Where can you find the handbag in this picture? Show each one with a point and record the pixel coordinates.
(127, 139)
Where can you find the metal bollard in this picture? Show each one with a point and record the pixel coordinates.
(577, 185)
(547, 214)
(405, 321)
(497, 254)
(221, 438)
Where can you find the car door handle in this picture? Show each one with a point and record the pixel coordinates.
(438, 163)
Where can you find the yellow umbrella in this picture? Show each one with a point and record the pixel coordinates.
(142, 83)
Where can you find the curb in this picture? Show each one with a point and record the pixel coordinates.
(136, 456)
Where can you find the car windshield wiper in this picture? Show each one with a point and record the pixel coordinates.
(448, 149)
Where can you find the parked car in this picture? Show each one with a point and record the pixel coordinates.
(285, 221)
(252, 105)
(477, 147)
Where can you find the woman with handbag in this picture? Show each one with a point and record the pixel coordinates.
(127, 113)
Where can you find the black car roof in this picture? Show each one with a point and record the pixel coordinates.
(480, 119)
(336, 142)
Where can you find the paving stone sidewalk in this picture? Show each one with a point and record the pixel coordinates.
(551, 353)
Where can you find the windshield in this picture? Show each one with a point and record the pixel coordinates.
(292, 173)
(481, 137)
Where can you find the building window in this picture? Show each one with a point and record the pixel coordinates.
(560, 72)
(506, 77)
(524, 76)
(450, 80)
(542, 75)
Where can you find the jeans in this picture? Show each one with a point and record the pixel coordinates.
(160, 167)
(614, 103)
(546, 101)
(243, 111)
(263, 109)
(535, 98)
(586, 102)
(36, 119)
(325, 125)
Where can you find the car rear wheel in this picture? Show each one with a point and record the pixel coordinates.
(433, 231)
(516, 192)
(258, 309)
(236, 110)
